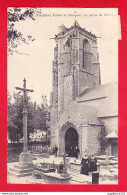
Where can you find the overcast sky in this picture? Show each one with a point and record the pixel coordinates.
(36, 63)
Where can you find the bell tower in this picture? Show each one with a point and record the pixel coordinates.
(75, 67)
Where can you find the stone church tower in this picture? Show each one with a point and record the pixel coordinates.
(75, 68)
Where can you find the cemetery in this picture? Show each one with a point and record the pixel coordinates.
(40, 164)
(45, 170)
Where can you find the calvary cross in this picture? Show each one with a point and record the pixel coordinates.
(24, 90)
(24, 114)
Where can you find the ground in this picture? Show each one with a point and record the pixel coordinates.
(106, 175)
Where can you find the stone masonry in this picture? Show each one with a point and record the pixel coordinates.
(75, 69)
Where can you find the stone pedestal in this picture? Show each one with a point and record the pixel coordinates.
(21, 169)
(24, 167)
(25, 157)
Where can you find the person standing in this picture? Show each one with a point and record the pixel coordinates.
(84, 165)
(77, 152)
(92, 163)
(71, 152)
(55, 150)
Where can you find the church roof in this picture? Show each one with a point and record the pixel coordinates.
(89, 113)
(76, 25)
(105, 97)
(112, 135)
(99, 91)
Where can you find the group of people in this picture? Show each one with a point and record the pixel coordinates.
(73, 152)
(88, 164)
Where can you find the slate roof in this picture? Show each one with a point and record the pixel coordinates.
(107, 97)
(112, 135)
(89, 113)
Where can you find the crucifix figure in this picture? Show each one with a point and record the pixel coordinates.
(24, 113)
(24, 91)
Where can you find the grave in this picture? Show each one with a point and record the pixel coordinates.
(56, 178)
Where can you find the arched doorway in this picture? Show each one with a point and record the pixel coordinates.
(71, 141)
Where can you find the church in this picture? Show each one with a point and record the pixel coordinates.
(83, 112)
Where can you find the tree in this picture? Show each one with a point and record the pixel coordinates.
(15, 117)
(37, 118)
(11, 133)
(18, 120)
(15, 38)
(40, 115)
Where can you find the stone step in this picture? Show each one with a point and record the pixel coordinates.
(24, 163)
(113, 162)
(20, 171)
(115, 166)
(19, 174)
(103, 157)
(22, 166)
(82, 179)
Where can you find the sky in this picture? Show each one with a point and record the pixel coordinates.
(34, 61)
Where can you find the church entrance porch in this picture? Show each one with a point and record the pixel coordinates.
(69, 139)
(71, 142)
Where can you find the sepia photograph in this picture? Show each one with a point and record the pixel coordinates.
(62, 95)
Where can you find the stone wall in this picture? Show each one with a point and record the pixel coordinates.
(89, 76)
(93, 144)
(110, 123)
(96, 74)
(70, 118)
(68, 92)
(69, 79)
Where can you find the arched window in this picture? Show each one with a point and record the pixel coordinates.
(86, 54)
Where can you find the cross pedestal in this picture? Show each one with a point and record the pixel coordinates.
(24, 167)
(25, 157)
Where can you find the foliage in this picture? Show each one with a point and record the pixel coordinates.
(12, 129)
(102, 140)
(36, 118)
(14, 37)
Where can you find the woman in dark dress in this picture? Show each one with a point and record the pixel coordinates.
(84, 165)
(93, 163)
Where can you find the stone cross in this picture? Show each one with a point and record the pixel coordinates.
(65, 174)
(24, 91)
(24, 113)
(65, 163)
